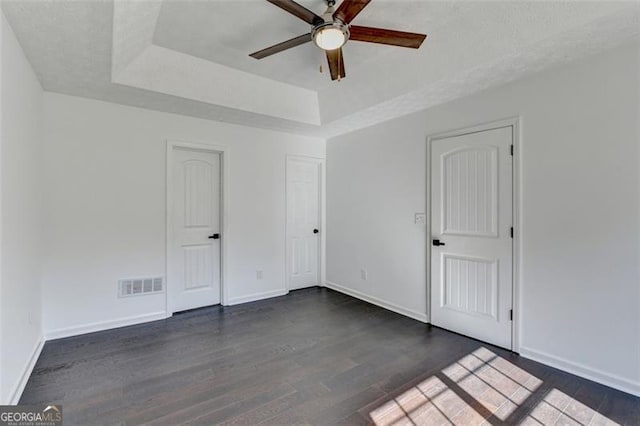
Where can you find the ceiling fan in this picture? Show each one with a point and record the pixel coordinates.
(333, 29)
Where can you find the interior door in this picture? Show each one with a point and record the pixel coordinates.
(303, 222)
(194, 272)
(472, 246)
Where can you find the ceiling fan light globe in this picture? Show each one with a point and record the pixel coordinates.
(329, 38)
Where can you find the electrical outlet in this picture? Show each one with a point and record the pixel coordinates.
(420, 219)
(363, 274)
(259, 274)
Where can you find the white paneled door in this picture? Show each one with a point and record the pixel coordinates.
(194, 253)
(303, 222)
(471, 241)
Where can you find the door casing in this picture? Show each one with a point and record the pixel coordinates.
(172, 145)
(321, 211)
(514, 123)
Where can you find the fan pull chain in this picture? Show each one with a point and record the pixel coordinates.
(339, 62)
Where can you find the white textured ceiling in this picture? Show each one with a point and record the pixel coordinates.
(191, 57)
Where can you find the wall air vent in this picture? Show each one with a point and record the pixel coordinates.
(140, 286)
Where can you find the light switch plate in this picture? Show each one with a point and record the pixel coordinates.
(420, 219)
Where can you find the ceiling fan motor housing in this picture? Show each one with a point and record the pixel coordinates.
(332, 28)
(316, 32)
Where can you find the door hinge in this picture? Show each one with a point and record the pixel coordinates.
(512, 150)
(510, 314)
(512, 232)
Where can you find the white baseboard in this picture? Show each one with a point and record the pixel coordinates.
(256, 296)
(420, 316)
(26, 372)
(582, 370)
(103, 325)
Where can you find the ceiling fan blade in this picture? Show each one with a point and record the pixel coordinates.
(297, 10)
(382, 36)
(349, 9)
(277, 48)
(336, 64)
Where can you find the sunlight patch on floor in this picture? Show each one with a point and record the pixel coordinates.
(498, 385)
(482, 388)
(479, 386)
(559, 408)
(431, 402)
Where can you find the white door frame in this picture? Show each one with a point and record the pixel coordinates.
(323, 228)
(172, 145)
(514, 123)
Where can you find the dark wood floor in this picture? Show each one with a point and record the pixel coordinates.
(312, 357)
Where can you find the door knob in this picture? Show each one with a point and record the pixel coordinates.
(214, 236)
(437, 243)
(315, 231)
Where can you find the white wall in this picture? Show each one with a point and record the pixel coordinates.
(580, 207)
(20, 166)
(104, 179)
